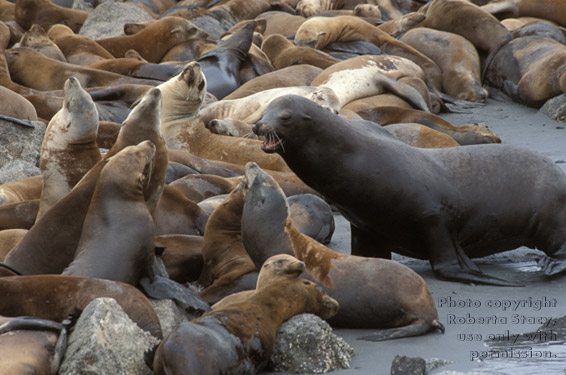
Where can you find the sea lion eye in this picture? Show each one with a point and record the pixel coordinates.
(286, 116)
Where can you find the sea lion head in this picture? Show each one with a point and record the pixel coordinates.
(326, 98)
(79, 113)
(279, 266)
(308, 8)
(137, 160)
(321, 303)
(184, 93)
(367, 10)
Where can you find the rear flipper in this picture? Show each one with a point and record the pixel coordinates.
(417, 328)
(552, 266)
(456, 272)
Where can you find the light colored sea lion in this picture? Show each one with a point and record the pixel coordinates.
(155, 40)
(456, 57)
(318, 32)
(44, 13)
(369, 75)
(276, 267)
(282, 53)
(242, 333)
(55, 297)
(37, 39)
(467, 134)
(483, 218)
(69, 148)
(227, 267)
(182, 129)
(394, 297)
(78, 49)
(19, 63)
(15, 105)
(22, 190)
(117, 236)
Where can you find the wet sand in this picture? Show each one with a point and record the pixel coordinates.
(474, 313)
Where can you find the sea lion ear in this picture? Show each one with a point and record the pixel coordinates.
(307, 118)
(322, 33)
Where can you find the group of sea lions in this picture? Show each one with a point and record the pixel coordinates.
(215, 139)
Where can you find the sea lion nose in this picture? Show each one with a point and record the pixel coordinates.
(256, 127)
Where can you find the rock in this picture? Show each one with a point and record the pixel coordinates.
(82, 5)
(106, 341)
(19, 142)
(403, 365)
(306, 344)
(107, 20)
(555, 108)
(17, 170)
(170, 315)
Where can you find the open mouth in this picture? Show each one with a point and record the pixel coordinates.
(272, 143)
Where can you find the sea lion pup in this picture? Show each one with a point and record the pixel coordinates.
(19, 60)
(32, 345)
(21, 190)
(227, 267)
(44, 13)
(468, 134)
(530, 69)
(55, 297)
(282, 53)
(276, 267)
(369, 75)
(78, 49)
(482, 29)
(295, 75)
(53, 256)
(182, 129)
(69, 148)
(163, 34)
(451, 177)
(393, 297)
(37, 39)
(318, 32)
(117, 235)
(456, 57)
(241, 333)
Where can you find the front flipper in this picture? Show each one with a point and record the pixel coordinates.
(416, 328)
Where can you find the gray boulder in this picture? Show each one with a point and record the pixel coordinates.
(170, 314)
(20, 142)
(17, 170)
(106, 341)
(403, 365)
(555, 108)
(305, 344)
(107, 20)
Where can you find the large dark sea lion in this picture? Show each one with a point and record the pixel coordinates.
(444, 205)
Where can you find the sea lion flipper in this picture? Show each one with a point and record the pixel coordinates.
(458, 272)
(552, 266)
(163, 288)
(409, 93)
(417, 328)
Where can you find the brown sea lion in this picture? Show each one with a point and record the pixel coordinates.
(15, 105)
(282, 23)
(154, 40)
(19, 63)
(117, 236)
(456, 57)
(78, 49)
(182, 128)
(60, 295)
(227, 267)
(282, 53)
(394, 296)
(451, 212)
(242, 333)
(22, 190)
(553, 10)
(134, 67)
(44, 13)
(182, 256)
(176, 214)
(19, 215)
(37, 39)
(8, 239)
(318, 32)
(418, 135)
(69, 148)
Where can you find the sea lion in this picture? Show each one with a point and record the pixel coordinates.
(393, 297)
(369, 75)
(398, 26)
(530, 69)
(242, 333)
(176, 214)
(154, 40)
(19, 64)
(296, 75)
(182, 256)
(117, 236)
(37, 39)
(60, 295)
(554, 10)
(318, 32)
(21, 190)
(312, 216)
(69, 148)
(19, 215)
(78, 49)
(418, 135)
(282, 53)
(462, 206)
(283, 23)
(227, 267)
(456, 57)
(8, 239)
(15, 105)
(44, 13)
(468, 134)
(182, 129)
(137, 68)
